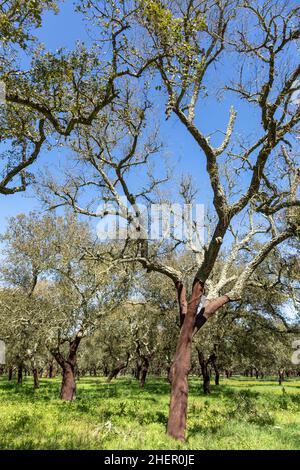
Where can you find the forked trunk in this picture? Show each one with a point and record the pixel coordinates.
(182, 360)
(68, 386)
(118, 368)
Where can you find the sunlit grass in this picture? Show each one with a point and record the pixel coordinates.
(239, 414)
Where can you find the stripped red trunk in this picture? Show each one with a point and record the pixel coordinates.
(180, 368)
(68, 386)
(182, 360)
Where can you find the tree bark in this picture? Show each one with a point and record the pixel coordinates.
(50, 371)
(20, 374)
(116, 370)
(204, 363)
(215, 367)
(180, 368)
(36, 382)
(144, 371)
(169, 374)
(10, 373)
(68, 386)
(182, 360)
(138, 369)
(280, 376)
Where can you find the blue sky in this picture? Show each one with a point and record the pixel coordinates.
(63, 30)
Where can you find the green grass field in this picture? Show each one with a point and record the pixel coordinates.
(239, 414)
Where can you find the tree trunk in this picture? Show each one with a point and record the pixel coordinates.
(50, 371)
(169, 374)
(116, 370)
(20, 374)
(181, 366)
(36, 382)
(10, 373)
(138, 370)
(206, 383)
(217, 377)
(213, 360)
(280, 376)
(144, 371)
(205, 371)
(190, 323)
(68, 386)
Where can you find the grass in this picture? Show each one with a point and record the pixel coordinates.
(239, 414)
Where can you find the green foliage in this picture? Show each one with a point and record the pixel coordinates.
(246, 408)
(169, 28)
(176, 36)
(17, 17)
